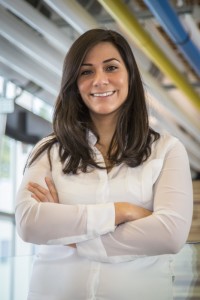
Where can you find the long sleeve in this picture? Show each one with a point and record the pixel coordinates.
(52, 223)
(165, 231)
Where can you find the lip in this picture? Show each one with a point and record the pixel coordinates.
(103, 94)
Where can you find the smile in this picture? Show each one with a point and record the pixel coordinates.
(105, 94)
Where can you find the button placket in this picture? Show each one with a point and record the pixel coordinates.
(103, 187)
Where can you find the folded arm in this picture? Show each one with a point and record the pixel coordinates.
(92, 227)
(163, 232)
(54, 223)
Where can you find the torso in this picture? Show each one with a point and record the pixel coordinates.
(60, 274)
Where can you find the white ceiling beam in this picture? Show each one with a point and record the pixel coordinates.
(39, 22)
(28, 68)
(191, 146)
(196, 12)
(28, 41)
(191, 27)
(74, 14)
(141, 58)
(166, 102)
(15, 77)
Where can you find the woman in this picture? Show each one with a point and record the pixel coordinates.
(109, 198)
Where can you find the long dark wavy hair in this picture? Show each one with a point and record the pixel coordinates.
(132, 139)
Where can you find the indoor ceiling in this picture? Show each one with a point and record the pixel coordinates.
(35, 35)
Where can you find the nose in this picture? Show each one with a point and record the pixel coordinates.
(100, 78)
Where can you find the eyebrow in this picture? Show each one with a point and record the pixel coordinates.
(105, 61)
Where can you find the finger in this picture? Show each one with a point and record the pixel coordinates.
(37, 194)
(36, 198)
(52, 189)
(41, 193)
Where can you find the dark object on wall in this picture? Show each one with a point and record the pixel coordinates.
(24, 126)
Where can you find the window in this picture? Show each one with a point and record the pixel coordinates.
(15, 255)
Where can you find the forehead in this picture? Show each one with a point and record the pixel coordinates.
(102, 51)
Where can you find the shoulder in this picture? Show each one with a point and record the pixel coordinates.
(48, 140)
(166, 143)
(166, 140)
(43, 145)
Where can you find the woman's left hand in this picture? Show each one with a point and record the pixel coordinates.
(41, 194)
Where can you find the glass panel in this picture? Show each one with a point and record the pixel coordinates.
(1, 85)
(15, 269)
(13, 158)
(6, 252)
(14, 277)
(22, 268)
(187, 273)
(6, 174)
(6, 238)
(21, 274)
(15, 255)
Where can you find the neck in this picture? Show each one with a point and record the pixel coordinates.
(105, 128)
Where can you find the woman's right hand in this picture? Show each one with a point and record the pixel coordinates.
(126, 212)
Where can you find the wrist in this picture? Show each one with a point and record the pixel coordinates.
(122, 212)
(127, 212)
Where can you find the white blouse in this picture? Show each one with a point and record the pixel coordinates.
(129, 261)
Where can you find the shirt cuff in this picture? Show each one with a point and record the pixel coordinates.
(100, 219)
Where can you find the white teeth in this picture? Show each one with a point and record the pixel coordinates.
(103, 94)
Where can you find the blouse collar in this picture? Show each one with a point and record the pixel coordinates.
(92, 139)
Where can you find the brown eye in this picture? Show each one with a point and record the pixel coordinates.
(111, 68)
(85, 72)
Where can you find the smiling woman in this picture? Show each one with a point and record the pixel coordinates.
(104, 186)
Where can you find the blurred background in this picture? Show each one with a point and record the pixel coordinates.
(35, 36)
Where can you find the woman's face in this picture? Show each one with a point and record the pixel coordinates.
(103, 80)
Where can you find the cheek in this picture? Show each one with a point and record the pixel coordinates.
(82, 87)
(79, 85)
(123, 83)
